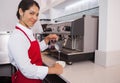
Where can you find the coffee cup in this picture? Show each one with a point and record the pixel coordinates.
(62, 63)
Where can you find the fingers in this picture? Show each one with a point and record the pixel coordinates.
(55, 69)
(53, 36)
(59, 68)
(50, 37)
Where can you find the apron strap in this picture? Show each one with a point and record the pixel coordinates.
(24, 33)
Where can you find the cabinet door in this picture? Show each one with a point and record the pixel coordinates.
(53, 79)
(6, 70)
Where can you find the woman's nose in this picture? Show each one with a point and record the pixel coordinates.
(35, 17)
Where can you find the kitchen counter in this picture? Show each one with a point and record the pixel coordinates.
(4, 59)
(72, 73)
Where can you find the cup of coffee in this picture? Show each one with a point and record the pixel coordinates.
(61, 63)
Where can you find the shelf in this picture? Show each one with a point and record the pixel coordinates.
(79, 14)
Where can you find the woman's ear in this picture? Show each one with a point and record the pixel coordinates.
(21, 12)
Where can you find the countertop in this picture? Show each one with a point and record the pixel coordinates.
(4, 59)
(71, 73)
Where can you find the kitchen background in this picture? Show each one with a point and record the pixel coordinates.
(108, 52)
(108, 47)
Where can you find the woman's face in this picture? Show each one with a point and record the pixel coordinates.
(29, 17)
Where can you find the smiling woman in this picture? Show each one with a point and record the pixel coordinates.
(24, 49)
(29, 15)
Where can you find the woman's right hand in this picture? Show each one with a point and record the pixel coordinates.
(51, 36)
(55, 69)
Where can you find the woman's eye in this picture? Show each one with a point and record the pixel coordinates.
(32, 13)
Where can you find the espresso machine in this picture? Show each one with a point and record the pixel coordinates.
(79, 38)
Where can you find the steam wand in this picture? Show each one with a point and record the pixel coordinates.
(58, 49)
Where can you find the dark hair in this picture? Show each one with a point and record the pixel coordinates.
(25, 5)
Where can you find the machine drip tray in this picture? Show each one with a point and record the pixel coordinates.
(70, 51)
(70, 56)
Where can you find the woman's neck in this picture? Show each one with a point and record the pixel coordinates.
(24, 24)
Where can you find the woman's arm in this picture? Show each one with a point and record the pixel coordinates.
(44, 43)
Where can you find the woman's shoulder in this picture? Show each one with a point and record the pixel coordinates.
(17, 35)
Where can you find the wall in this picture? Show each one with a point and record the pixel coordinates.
(8, 14)
(108, 52)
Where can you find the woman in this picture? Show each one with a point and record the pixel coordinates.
(24, 50)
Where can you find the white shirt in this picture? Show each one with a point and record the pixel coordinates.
(18, 46)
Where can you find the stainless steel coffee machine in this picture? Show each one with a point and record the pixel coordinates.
(81, 41)
(83, 34)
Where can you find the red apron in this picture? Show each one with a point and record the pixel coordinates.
(35, 56)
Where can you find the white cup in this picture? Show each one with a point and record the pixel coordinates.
(61, 63)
